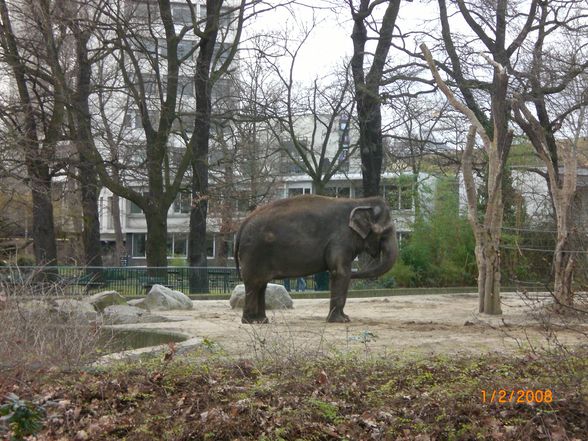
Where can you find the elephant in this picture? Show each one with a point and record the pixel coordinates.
(309, 234)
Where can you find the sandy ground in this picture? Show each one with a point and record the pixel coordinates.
(419, 324)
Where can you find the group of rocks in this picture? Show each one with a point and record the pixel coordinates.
(109, 307)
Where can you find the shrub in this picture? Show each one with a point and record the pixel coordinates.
(403, 274)
(39, 332)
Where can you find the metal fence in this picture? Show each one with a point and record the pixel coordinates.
(137, 281)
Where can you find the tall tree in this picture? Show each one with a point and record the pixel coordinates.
(367, 83)
(217, 48)
(82, 19)
(491, 25)
(37, 115)
(554, 87)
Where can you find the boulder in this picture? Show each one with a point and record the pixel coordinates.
(276, 297)
(126, 314)
(139, 303)
(161, 298)
(73, 309)
(105, 298)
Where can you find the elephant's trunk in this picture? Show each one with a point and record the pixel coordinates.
(388, 255)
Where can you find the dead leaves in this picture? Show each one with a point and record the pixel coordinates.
(324, 399)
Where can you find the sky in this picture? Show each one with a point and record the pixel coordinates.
(330, 41)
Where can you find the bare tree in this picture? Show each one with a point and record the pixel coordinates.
(35, 118)
(367, 84)
(217, 49)
(555, 88)
(491, 25)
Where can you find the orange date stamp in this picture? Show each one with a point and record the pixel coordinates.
(519, 396)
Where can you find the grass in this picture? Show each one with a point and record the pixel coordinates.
(339, 396)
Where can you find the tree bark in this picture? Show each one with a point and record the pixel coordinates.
(120, 250)
(37, 154)
(156, 243)
(44, 244)
(88, 174)
(367, 90)
(199, 143)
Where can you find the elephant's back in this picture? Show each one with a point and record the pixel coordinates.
(302, 221)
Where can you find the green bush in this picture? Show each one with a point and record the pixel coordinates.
(403, 274)
(440, 250)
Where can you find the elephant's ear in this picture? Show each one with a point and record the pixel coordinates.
(360, 220)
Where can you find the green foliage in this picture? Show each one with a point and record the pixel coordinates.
(328, 411)
(22, 417)
(440, 251)
(403, 274)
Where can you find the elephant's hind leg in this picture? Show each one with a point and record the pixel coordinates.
(254, 309)
(262, 318)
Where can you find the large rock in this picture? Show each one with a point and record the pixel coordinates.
(105, 298)
(276, 297)
(137, 302)
(161, 298)
(125, 314)
(69, 309)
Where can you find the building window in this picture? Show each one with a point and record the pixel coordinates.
(138, 243)
(210, 248)
(134, 208)
(344, 122)
(229, 246)
(177, 245)
(297, 191)
(398, 193)
(182, 203)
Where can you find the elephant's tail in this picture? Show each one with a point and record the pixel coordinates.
(236, 254)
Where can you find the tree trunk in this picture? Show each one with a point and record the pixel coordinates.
(489, 276)
(91, 223)
(197, 253)
(120, 250)
(44, 244)
(564, 265)
(199, 144)
(370, 142)
(156, 242)
(88, 175)
(367, 88)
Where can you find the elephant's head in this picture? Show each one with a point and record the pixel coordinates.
(374, 225)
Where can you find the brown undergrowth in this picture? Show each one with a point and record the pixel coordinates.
(339, 396)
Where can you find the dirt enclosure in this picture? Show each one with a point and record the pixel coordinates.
(417, 324)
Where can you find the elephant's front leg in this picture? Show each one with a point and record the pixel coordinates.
(254, 309)
(339, 286)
